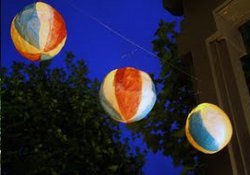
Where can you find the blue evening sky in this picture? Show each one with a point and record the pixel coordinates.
(102, 50)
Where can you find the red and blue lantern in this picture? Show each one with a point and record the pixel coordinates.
(38, 32)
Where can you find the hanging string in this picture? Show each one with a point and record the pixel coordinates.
(98, 21)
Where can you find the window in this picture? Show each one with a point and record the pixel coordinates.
(245, 60)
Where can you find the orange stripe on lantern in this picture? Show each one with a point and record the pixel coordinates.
(57, 32)
(31, 56)
(128, 86)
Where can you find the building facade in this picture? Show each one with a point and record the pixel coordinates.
(210, 36)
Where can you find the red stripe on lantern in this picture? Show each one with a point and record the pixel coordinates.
(128, 86)
(31, 56)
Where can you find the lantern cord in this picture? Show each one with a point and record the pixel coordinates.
(121, 36)
(128, 40)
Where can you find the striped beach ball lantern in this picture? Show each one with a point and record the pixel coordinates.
(38, 32)
(208, 128)
(127, 94)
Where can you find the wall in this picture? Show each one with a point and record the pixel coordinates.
(210, 34)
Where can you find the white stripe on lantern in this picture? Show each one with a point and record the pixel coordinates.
(147, 97)
(109, 91)
(44, 14)
(214, 124)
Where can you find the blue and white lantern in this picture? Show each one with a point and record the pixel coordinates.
(208, 128)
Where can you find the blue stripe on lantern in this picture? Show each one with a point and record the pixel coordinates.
(108, 107)
(27, 24)
(200, 134)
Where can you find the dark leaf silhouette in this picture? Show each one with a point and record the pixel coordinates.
(52, 123)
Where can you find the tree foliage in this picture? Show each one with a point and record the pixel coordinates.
(164, 130)
(52, 123)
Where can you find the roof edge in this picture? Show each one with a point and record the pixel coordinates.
(175, 7)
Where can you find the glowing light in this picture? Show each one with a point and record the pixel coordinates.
(38, 32)
(127, 94)
(208, 128)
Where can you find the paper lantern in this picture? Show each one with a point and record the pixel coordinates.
(208, 128)
(127, 94)
(38, 32)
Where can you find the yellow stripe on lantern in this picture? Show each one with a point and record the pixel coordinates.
(109, 91)
(44, 14)
(20, 43)
(56, 50)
